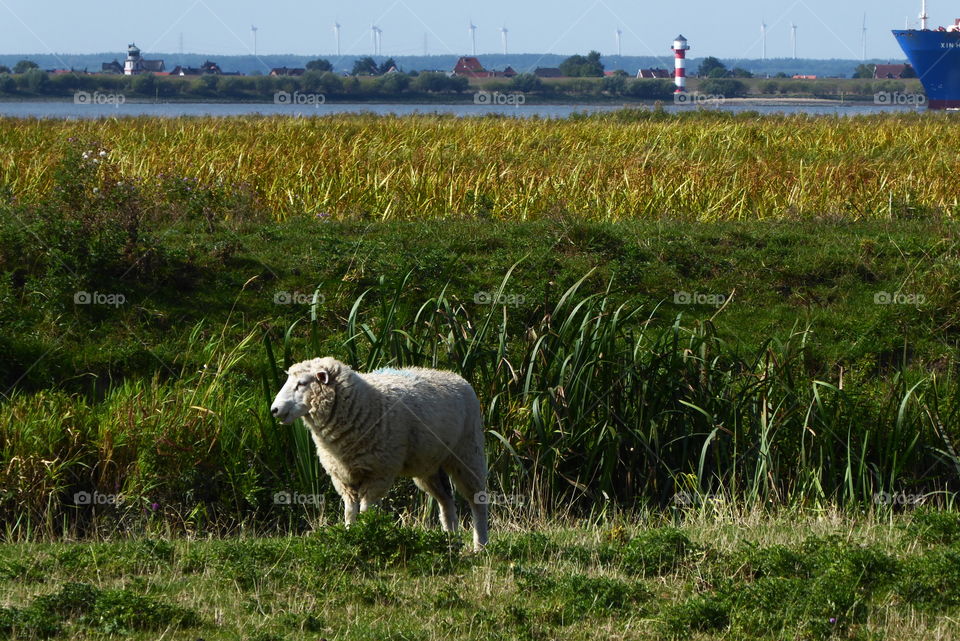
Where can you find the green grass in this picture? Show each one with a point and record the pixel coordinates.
(697, 427)
(635, 361)
(627, 165)
(626, 361)
(733, 576)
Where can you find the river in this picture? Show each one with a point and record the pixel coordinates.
(71, 110)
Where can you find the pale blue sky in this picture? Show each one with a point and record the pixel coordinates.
(826, 28)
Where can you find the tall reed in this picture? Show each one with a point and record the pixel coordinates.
(635, 163)
(590, 404)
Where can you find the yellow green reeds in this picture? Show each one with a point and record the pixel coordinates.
(623, 165)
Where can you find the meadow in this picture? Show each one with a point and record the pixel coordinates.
(720, 575)
(633, 164)
(725, 341)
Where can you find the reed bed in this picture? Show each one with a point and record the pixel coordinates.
(622, 165)
(588, 410)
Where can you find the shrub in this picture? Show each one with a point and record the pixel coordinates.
(527, 83)
(727, 87)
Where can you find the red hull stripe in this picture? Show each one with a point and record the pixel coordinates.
(944, 104)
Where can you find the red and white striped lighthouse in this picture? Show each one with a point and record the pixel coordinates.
(680, 48)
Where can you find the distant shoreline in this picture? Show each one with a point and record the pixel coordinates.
(467, 101)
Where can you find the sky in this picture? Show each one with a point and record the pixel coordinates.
(825, 28)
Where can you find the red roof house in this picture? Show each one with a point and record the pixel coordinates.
(470, 67)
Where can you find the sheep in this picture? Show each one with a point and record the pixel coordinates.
(371, 428)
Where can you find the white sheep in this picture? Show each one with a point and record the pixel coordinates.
(371, 428)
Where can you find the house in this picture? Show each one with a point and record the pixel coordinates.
(654, 73)
(136, 64)
(207, 68)
(548, 72)
(890, 72)
(111, 67)
(803, 77)
(470, 67)
(287, 71)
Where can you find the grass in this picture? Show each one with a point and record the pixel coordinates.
(638, 361)
(713, 576)
(698, 427)
(624, 166)
(742, 402)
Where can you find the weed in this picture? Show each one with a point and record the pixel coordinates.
(935, 526)
(657, 551)
(122, 611)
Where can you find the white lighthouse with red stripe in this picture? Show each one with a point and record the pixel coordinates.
(680, 48)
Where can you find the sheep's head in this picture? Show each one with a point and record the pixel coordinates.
(310, 388)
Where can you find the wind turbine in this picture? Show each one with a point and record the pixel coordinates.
(793, 39)
(336, 33)
(473, 36)
(503, 35)
(763, 39)
(923, 15)
(253, 30)
(619, 42)
(864, 53)
(377, 34)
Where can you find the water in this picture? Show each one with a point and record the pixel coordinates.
(70, 110)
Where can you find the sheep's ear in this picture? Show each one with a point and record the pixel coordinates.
(323, 377)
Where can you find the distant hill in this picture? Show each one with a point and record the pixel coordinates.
(520, 62)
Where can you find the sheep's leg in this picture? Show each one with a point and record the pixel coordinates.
(372, 491)
(438, 486)
(472, 484)
(351, 501)
(351, 507)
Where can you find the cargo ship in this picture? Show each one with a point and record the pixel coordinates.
(935, 56)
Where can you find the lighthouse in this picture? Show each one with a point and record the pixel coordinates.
(131, 65)
(680, 48)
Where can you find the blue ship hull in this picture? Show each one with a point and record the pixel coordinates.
(935, 55)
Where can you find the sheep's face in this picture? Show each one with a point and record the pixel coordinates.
(307, 385)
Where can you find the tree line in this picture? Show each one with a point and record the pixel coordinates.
(424, 86)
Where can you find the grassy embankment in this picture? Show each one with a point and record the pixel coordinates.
(721, 575)
(772, 327)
